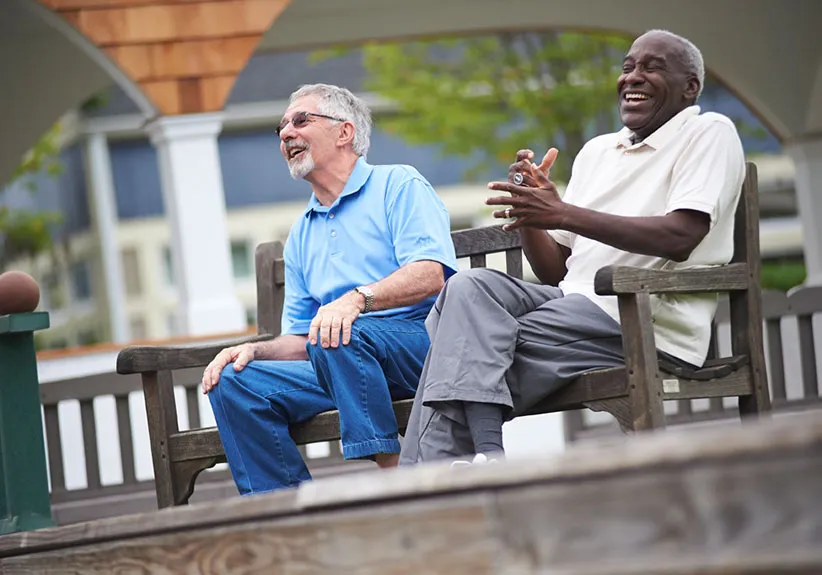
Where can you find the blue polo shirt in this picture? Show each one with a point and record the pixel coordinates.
(385, 218)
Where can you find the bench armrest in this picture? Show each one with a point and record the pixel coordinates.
(141, 359)
(616, 280)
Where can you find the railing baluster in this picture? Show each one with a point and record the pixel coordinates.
(55, 448)
(773, 333)
(90, 443)
(807, 355)
(193, 407)
(126, 442)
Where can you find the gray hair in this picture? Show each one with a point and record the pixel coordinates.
(341, 103)
(689, 54)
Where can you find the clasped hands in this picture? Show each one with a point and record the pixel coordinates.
(535, 202)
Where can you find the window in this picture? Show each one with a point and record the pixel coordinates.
(80, 281)
(138, 329)
(131, 272)
(52, 292)
(168, 266)
(241, 260)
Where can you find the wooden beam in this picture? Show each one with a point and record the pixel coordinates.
(184, 54)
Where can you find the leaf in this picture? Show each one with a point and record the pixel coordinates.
(485, 97)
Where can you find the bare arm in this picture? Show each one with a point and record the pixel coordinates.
(546, 256)
(408, 285)
(536, 205)
(672, 236)
(284, 347)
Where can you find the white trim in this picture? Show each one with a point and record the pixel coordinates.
(235, 116)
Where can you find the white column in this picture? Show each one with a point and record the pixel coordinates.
(192, 185)
(104, 196)
(807, 157)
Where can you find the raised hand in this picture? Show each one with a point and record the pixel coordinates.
(535, 202)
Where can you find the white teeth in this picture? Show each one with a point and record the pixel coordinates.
(635, 96)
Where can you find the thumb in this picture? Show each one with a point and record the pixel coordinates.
(548, 161)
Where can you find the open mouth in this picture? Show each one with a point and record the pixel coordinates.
(635, 97)
(295, 151)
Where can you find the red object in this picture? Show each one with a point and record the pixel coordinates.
(19, 293)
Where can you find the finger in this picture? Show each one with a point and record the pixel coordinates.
(336, 326)
(242, 359)
(504, 201)
(313, 329)
(524, 154)
(510, 188)
(515, 225)
(501, 214)
(523, 166)
(346, 330)
(548, 161)
(325, 331)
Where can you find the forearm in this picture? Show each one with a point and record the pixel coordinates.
(671, 236)
(284, 347)
(546, 256)
(409, 285)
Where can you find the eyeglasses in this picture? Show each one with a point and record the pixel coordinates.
(300, 119)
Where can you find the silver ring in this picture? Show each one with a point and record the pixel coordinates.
(508, 213)
(518, 179)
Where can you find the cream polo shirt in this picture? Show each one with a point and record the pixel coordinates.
(694, 161)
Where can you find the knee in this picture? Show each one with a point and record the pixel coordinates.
(318, 353)
(224, 389)
(468, 282)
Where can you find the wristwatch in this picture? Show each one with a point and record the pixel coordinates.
(368, 295)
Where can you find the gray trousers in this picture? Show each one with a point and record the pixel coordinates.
(497, 339)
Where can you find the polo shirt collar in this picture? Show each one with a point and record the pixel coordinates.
(359, 176)
(664, 134)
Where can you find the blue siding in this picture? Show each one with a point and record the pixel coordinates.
(136, 179)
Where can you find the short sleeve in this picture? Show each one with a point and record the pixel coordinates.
(564, 237)
(420, 225)
(709, 173)
(299, 308)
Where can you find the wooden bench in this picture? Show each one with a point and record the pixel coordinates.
(634, 394)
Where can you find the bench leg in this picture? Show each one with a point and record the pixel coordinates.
(161, 412)
(641, 362)
(185, 474)
(619, 407)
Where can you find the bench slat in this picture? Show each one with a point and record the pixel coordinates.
(615, 280)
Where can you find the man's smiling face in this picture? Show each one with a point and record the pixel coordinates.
(654, 85)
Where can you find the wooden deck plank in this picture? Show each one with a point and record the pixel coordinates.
(684, 501)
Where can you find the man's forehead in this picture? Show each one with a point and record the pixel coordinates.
(304, 104)
(652, 46)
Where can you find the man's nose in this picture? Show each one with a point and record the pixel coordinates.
(288, 132)
(634, 77)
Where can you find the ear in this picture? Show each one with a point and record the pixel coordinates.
(346, 134)
(691, 89)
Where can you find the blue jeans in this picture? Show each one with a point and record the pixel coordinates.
(254, 407)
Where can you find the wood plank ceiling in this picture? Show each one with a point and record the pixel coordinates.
(184, 54)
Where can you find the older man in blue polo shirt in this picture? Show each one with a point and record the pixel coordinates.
(363, 266)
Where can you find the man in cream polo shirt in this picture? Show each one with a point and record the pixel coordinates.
(659, 194)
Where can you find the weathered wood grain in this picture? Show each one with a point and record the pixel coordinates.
(270, 272)
(485, 240)
(746, 306)
(615, 280)
(141, 359)
(641, 363)
(747, 489)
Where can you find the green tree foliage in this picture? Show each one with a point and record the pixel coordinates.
(25, 233)
(486, 97)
